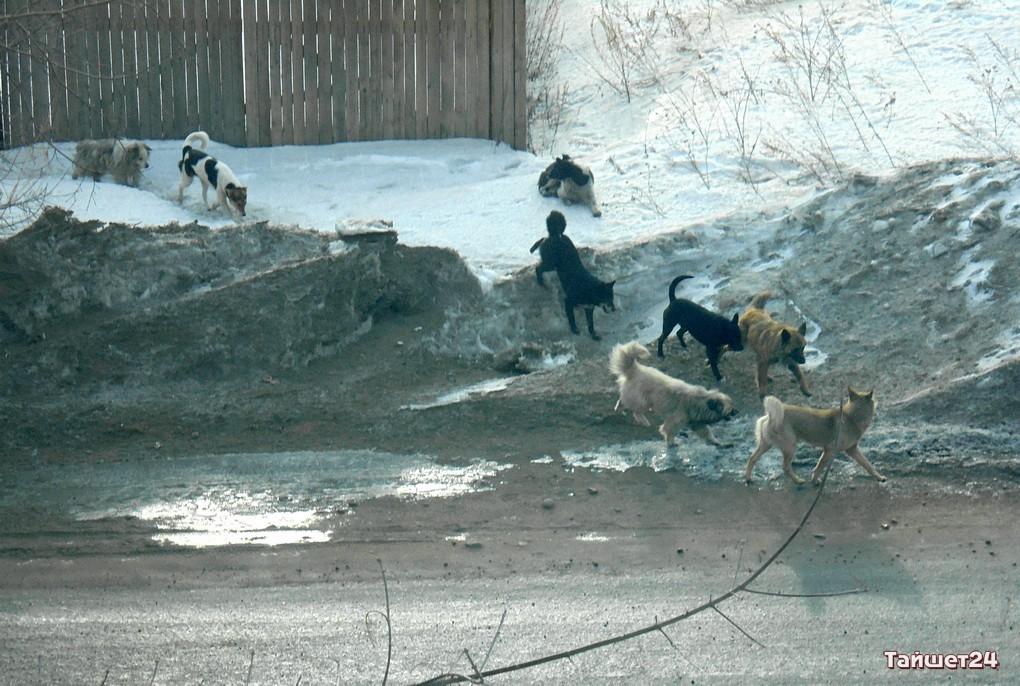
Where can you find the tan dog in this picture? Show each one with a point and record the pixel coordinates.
(783, 426)
(646, 390)
(773, 342)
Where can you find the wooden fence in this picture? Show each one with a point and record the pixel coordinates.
(263, 72)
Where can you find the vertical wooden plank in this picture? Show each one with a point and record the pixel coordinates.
(298, 70)
(483, 95)
(40, 82)
(375, 70)
(55, 74)
(469, 123)
(364, 107)
(248, 27)
(164, 60)
(325, 77)
(508, 72)
(262, 85)
(148, 70)
(421, 82)
(12, 82)
(496, 72)
(352, 114)
(446, 67)
(460, 71)
(396, 33)
(212, 113)
(272, 48)
(434, 73)
(178, 69)
(107, 99)
(385, 81)
(204, 87)
(187, 40)
(311, 64)
(130, 46)
(520, 76)
(286, 74)
(235, 77)
(118, 124)
(409, 70)
(337, 23)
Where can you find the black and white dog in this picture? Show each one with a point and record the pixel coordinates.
(570, 181)
(580, 287)
(211, 172)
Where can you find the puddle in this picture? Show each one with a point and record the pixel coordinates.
(261, 499)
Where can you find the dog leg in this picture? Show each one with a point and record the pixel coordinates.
(762, 377)
(713, 361)
(759, 450)
(664, 431)
(541, 269)
(589, 315)
(706, 433)
(641, 419)
(667, 328)
(824, 459)
(680, 337)
(569, 307)
(855, 452)
(185, 182)
(799, 375)
(788, 454)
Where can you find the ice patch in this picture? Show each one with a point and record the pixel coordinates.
(1009, 349)
(459, 395)
(592, 537)
(973, 273)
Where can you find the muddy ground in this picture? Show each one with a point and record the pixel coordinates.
(131, 343)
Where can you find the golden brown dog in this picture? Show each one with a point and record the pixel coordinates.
(773, 342)
(783, 426)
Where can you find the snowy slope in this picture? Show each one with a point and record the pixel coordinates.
(715, 103)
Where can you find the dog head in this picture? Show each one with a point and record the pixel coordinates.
(734, 341)
(793, 342)
(604, 294)
(556, 223)
(719, 407)
(136, 155)
(565, 168)
(238, 195)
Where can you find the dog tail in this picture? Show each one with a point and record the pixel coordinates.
(538, 243)
(773, 414)
(676, 281)
(760, 299)
(200, 137)
(624, 356)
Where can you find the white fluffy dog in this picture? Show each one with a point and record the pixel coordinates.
(645, 390)
(124, 160)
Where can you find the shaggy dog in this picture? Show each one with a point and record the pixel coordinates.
(580, 287)
(715, 332)
(773, 342)
(783, 426)
(211, 172)
(570, 181)
(124, 160)
(679, 404)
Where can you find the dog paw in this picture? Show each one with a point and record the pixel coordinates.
(807, 393)
(596, 337)
(881, 478)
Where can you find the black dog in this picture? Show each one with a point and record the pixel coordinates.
(714, 331)
(579, 285)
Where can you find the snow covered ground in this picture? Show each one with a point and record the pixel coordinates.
(729, 110)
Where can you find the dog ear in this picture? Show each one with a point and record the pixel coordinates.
(736, 318)
(229, 186)
(785, 337)
(715, 405)
(146, 145)
(802, 329)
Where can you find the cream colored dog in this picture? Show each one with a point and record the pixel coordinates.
(124, 160)
(783, 426)
(646, 390)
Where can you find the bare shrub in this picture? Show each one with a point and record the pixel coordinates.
(547, 97)
(998, 80)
